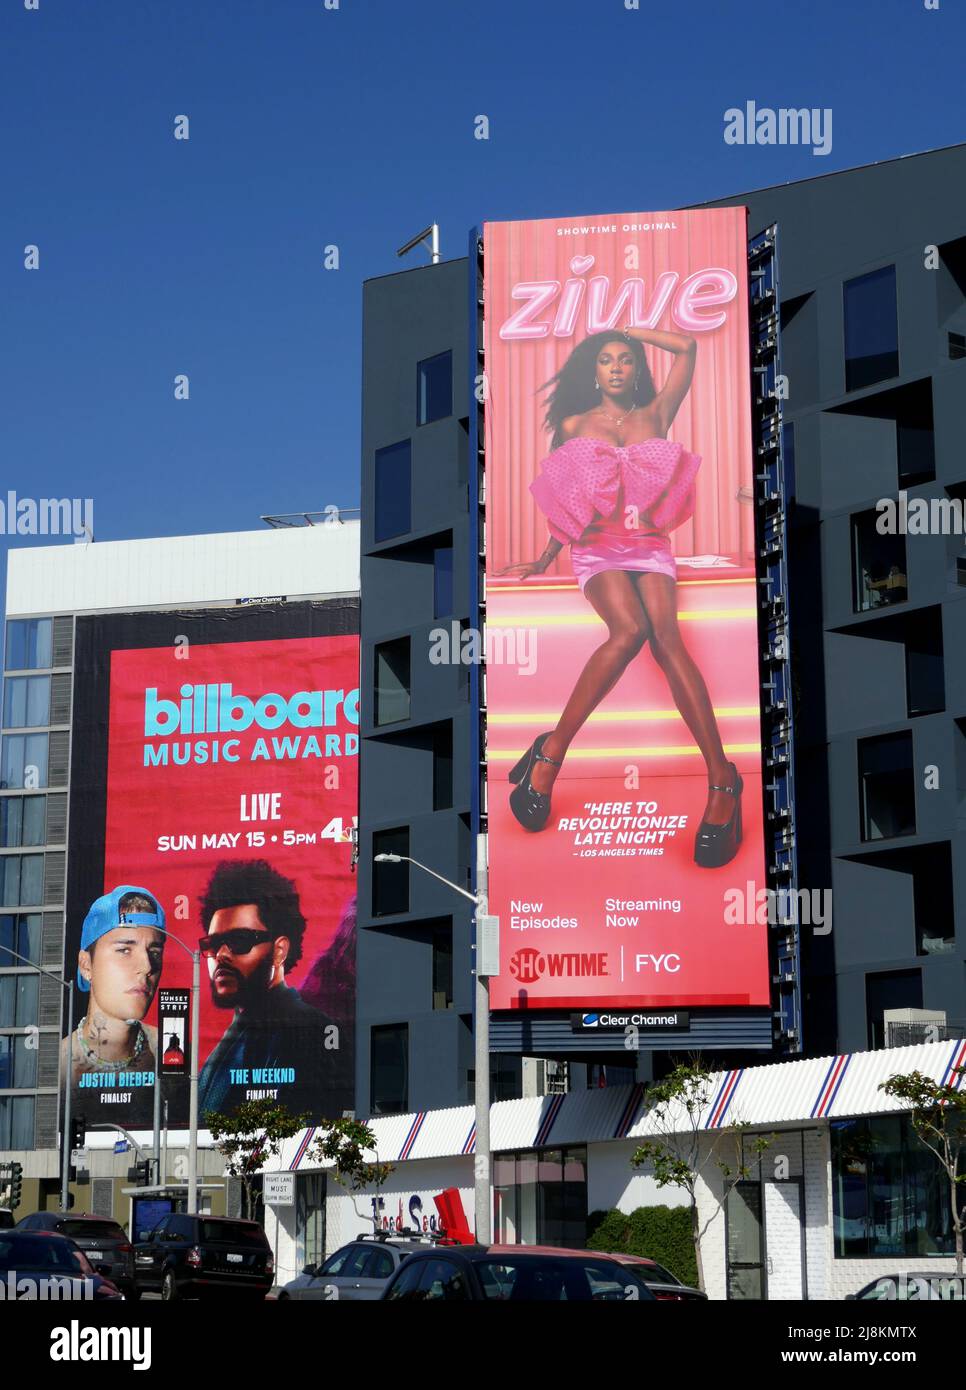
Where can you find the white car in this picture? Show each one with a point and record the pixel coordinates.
(358, 1272)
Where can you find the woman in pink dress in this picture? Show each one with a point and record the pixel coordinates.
(613, 487)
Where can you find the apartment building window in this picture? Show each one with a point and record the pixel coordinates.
(925, 671)
(442, 581)
(392, 663)
(19, 995)
(21, 880)
(878, 565)
(26, 702)
(390, 882)
(443, 767)
(933, 903)
(887, 786)
(23, 760)
(29, 644)
(889, 989)
(18, 1062)
(393, 490)
(389, 1069)
(871, 328)
(443, 968)
(434, 388)
(23, 821)
(16, 1122)
(20, 933)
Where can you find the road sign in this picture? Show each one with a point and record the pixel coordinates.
(278, 1189)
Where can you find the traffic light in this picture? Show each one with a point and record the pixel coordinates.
(140, 1174)
(77, 1133)
(16, 1184)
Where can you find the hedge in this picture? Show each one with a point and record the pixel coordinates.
(660, 1233)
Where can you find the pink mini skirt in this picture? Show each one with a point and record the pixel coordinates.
(641, 554)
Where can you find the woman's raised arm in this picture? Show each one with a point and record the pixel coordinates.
(685, 349)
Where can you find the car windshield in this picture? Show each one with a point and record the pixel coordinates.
(529, 1278)
(39, 1252)
(231, 1233)
(91, 1230)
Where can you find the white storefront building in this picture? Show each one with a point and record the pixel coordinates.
(843, 1193)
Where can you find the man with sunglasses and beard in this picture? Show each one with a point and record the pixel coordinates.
(254, 932)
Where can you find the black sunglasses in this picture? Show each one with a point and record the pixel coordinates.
(240, 940)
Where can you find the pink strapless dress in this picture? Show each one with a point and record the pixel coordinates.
(586, 488)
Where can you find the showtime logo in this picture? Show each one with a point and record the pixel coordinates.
(528, 964)
(216, 709)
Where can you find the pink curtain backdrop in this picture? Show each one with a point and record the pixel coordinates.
(713, 421)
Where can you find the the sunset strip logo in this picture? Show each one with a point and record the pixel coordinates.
(829, 1088)
(723, 1099)
(412, 1136)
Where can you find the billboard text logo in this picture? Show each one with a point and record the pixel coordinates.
(528, 964)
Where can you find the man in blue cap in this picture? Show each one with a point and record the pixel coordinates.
(119, 965)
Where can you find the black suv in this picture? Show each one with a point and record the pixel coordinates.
(192, 1256)
(102, 1240)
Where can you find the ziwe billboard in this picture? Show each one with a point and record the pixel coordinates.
(624, 754)
(212, 794)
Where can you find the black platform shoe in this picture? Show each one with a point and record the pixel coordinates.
(717, 845)
(531, 808)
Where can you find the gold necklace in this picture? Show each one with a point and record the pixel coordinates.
(617, 420)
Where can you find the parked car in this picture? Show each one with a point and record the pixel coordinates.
(193, 1256)
(102, 1240)
(36, 1255)
(357, 1272)
(933, 1285)
(515, 1273)
(662, 1283)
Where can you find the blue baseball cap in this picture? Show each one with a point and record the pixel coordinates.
(105, 915)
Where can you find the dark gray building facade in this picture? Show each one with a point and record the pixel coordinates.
(872, 288)
(872, 266)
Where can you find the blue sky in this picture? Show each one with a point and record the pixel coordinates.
(355, 126)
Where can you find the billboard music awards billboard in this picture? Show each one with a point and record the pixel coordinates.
(213, 792)
(623, 722)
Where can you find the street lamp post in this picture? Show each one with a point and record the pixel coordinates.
(193, 1078)
(482, 1189)
(65, 1137)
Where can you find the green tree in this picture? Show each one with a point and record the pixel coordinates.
(681, 1152)
(345, 1144)
(254, 1133)
(938, 1117)
(248, 1138)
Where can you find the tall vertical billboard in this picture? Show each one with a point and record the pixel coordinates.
(213, 792)
(623, 722)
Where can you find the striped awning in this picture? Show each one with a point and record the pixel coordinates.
(780, 1093)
